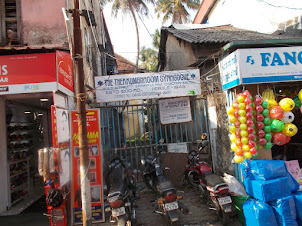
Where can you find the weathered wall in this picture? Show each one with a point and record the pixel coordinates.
(43, 22)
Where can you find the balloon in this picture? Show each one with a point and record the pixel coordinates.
(232, 137)
(249, 115)
(248, 108)
(272, 103)
(268, 137)
(236, 113)
(242, 112)
(265, 104)
(246, 93)
(230, 111)
(252, 144)
(232, 119)
(279, 138)
(288, 117)
(233, 146)
(276, 112)
(250, 130)
(235, 105)
(249, 122)
(255, 155)
(261, 133)
(238, 142)
(258, 100)
(262, 141)
(238, 159)
(244, 140)
(239, 152)
(287, 139)
(290, 129)
(300, 95)
(267, 129)
(232, 129)
(237, 133)
(243, 133)
(240, 98)
(267, 121)
(287, 104)
(260, 125)
(243, 126)
(247, 155)
(245, 147)
(247, 101)
(277, 125)
(265, 112)
(253, 151)
(241, 106)
(237, 124)
(259, 108)
(242, 119)
(251, 137)
(268, 145)
(259, 117)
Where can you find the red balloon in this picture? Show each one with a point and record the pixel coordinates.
(276, 112)
(253, 151)
(235, 104)
(249, 115)
(247, 101)
(237, 133)
(251, 137)
(250, 130)
(262, 141)
(249, 122)
(279, 138)
(237, 124)
(261, 133)
(260, 117)
(236, 113)
(287, 139)
(260, 125)
(246, 93)
(259, 108)
(248, 108)
(258, 100)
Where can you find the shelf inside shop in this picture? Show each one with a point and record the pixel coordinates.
(19, 199)
(19, 187)
(17, 161)
(18, 174)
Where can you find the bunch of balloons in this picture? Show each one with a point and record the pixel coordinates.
(243, 134)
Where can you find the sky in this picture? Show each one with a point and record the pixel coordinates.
(123, 34)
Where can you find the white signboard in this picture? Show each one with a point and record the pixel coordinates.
(147, 85)
(178, 147)
(176, 110)
(261, 65)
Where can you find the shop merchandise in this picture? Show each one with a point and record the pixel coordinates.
(298, 203)
(285, 211)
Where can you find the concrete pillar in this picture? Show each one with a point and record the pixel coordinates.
(4, 176)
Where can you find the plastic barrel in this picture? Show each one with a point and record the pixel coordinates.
(238, 201)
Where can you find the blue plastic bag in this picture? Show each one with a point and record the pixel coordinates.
(298, 203)
(285, 211)
(263, 169)
(267, 190)
(257, 213)
(293, 184)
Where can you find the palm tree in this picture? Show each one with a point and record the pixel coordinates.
(133, 7)
(177, 9)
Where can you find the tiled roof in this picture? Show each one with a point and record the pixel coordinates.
(124, 65)
(218, 34)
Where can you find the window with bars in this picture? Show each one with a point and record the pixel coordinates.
(10, 22)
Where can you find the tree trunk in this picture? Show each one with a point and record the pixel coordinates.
(137, 36)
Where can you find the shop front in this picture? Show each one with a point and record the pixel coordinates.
(30, 83)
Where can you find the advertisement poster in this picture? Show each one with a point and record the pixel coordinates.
(176, 110)
(95, 168)
(148, 85)
(62, 125)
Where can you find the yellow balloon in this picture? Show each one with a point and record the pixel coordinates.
(232, 137)
(272, 103)
(241, 106)
(300, 95)
(230, 111)
(232, 119)
(232, 129)
(245, 147)
(290, 129)
(240, 98)
(233, 146)
(238, 159)
(247, 155)
(243, 126)
(287, 104)
(244, 140)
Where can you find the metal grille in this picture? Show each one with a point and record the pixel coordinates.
(134, 130)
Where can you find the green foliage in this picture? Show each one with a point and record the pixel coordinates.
(148, 58)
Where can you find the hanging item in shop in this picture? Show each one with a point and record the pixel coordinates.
(259, 123)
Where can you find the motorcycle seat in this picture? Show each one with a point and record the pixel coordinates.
(164, 186)
(211, 179)
(117, 188)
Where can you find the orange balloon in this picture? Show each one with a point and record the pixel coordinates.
(276, 112)
(238, 142)
(239, 152)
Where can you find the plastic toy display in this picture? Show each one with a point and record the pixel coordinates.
(259, 123)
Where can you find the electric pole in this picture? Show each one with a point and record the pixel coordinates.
(81, 110)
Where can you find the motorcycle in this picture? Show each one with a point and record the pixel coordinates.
(122, 193)
(167, 202)
(213, 188)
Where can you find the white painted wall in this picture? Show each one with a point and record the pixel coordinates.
(255, 15)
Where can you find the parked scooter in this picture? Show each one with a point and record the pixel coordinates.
(212, 187)
(122, 193)
(167, 202)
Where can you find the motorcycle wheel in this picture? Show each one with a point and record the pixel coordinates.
(149, 182)
(224, 217)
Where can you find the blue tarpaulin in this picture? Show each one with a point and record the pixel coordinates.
(285, 211)
(298, 203)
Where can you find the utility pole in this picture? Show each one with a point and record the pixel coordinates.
(81, 110)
